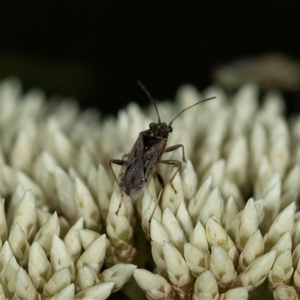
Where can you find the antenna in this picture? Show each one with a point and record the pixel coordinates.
(203, 100)
(150, 97)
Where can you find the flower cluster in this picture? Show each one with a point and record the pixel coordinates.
(228, 227)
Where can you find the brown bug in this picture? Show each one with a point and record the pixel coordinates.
(140, 164)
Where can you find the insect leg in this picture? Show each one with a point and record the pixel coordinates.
(172, 148)
(162, 184)
(176, 163)
(124, 157)
(117, 162)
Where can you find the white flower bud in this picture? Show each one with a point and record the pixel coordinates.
(282, 270)
(19, 244)
(230, 212)
(189, 180)
(65, 190)
(237, 161)
(86, 277)
(283, 223)
(24, 148)
(86, 206)
(236, 293)
(100, 291)
(47, 231)
(184, 220)
(9, 278)
(173, 229)
(263, 176)
(197, 259)
(222, 267)
(59, 256)
(271, 199)
(24, 287)
(258, 146)
(217, 172)
(217, 236)
(119, 274)
(257, 271)
(199, 200)
(253, 249)
(105, 186)
(178, 271)
(279, 153)
(155, 286)
(206, 287)
(284, 243)
(94, 255)
(28, 184)
(67, 293)
(158, 237)
(25, 214)
(198, 237)
(73, 239)
(249, 223)
(5, 255)
(87, 236)
(213, 207)
(284, 292)
(291, 180)
(173, 194)
(39, 268)
(60, 145)
(59, 280)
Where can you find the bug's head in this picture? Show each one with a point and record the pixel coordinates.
(160, 129)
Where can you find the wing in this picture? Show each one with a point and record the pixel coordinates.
(141, 163)
(131, 176)
(154, 149)
(133, 181)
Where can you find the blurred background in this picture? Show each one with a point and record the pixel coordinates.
(95, 51)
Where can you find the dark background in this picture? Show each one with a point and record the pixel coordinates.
(96, 52)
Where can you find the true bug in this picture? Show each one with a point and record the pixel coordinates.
(140, 164)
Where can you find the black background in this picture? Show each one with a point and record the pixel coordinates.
(97, 50)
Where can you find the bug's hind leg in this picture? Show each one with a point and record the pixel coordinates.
(176, 164)
(120, 162)
(162, 184)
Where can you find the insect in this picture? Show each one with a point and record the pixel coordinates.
(140, 164)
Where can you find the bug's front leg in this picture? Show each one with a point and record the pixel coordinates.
(120, 162)
(174, 147)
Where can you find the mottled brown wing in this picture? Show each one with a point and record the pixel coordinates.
(153, 154)
(131, 176)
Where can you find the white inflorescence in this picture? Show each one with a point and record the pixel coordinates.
(228, 228)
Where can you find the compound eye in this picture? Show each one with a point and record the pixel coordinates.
(170, 129)
(151, 125)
